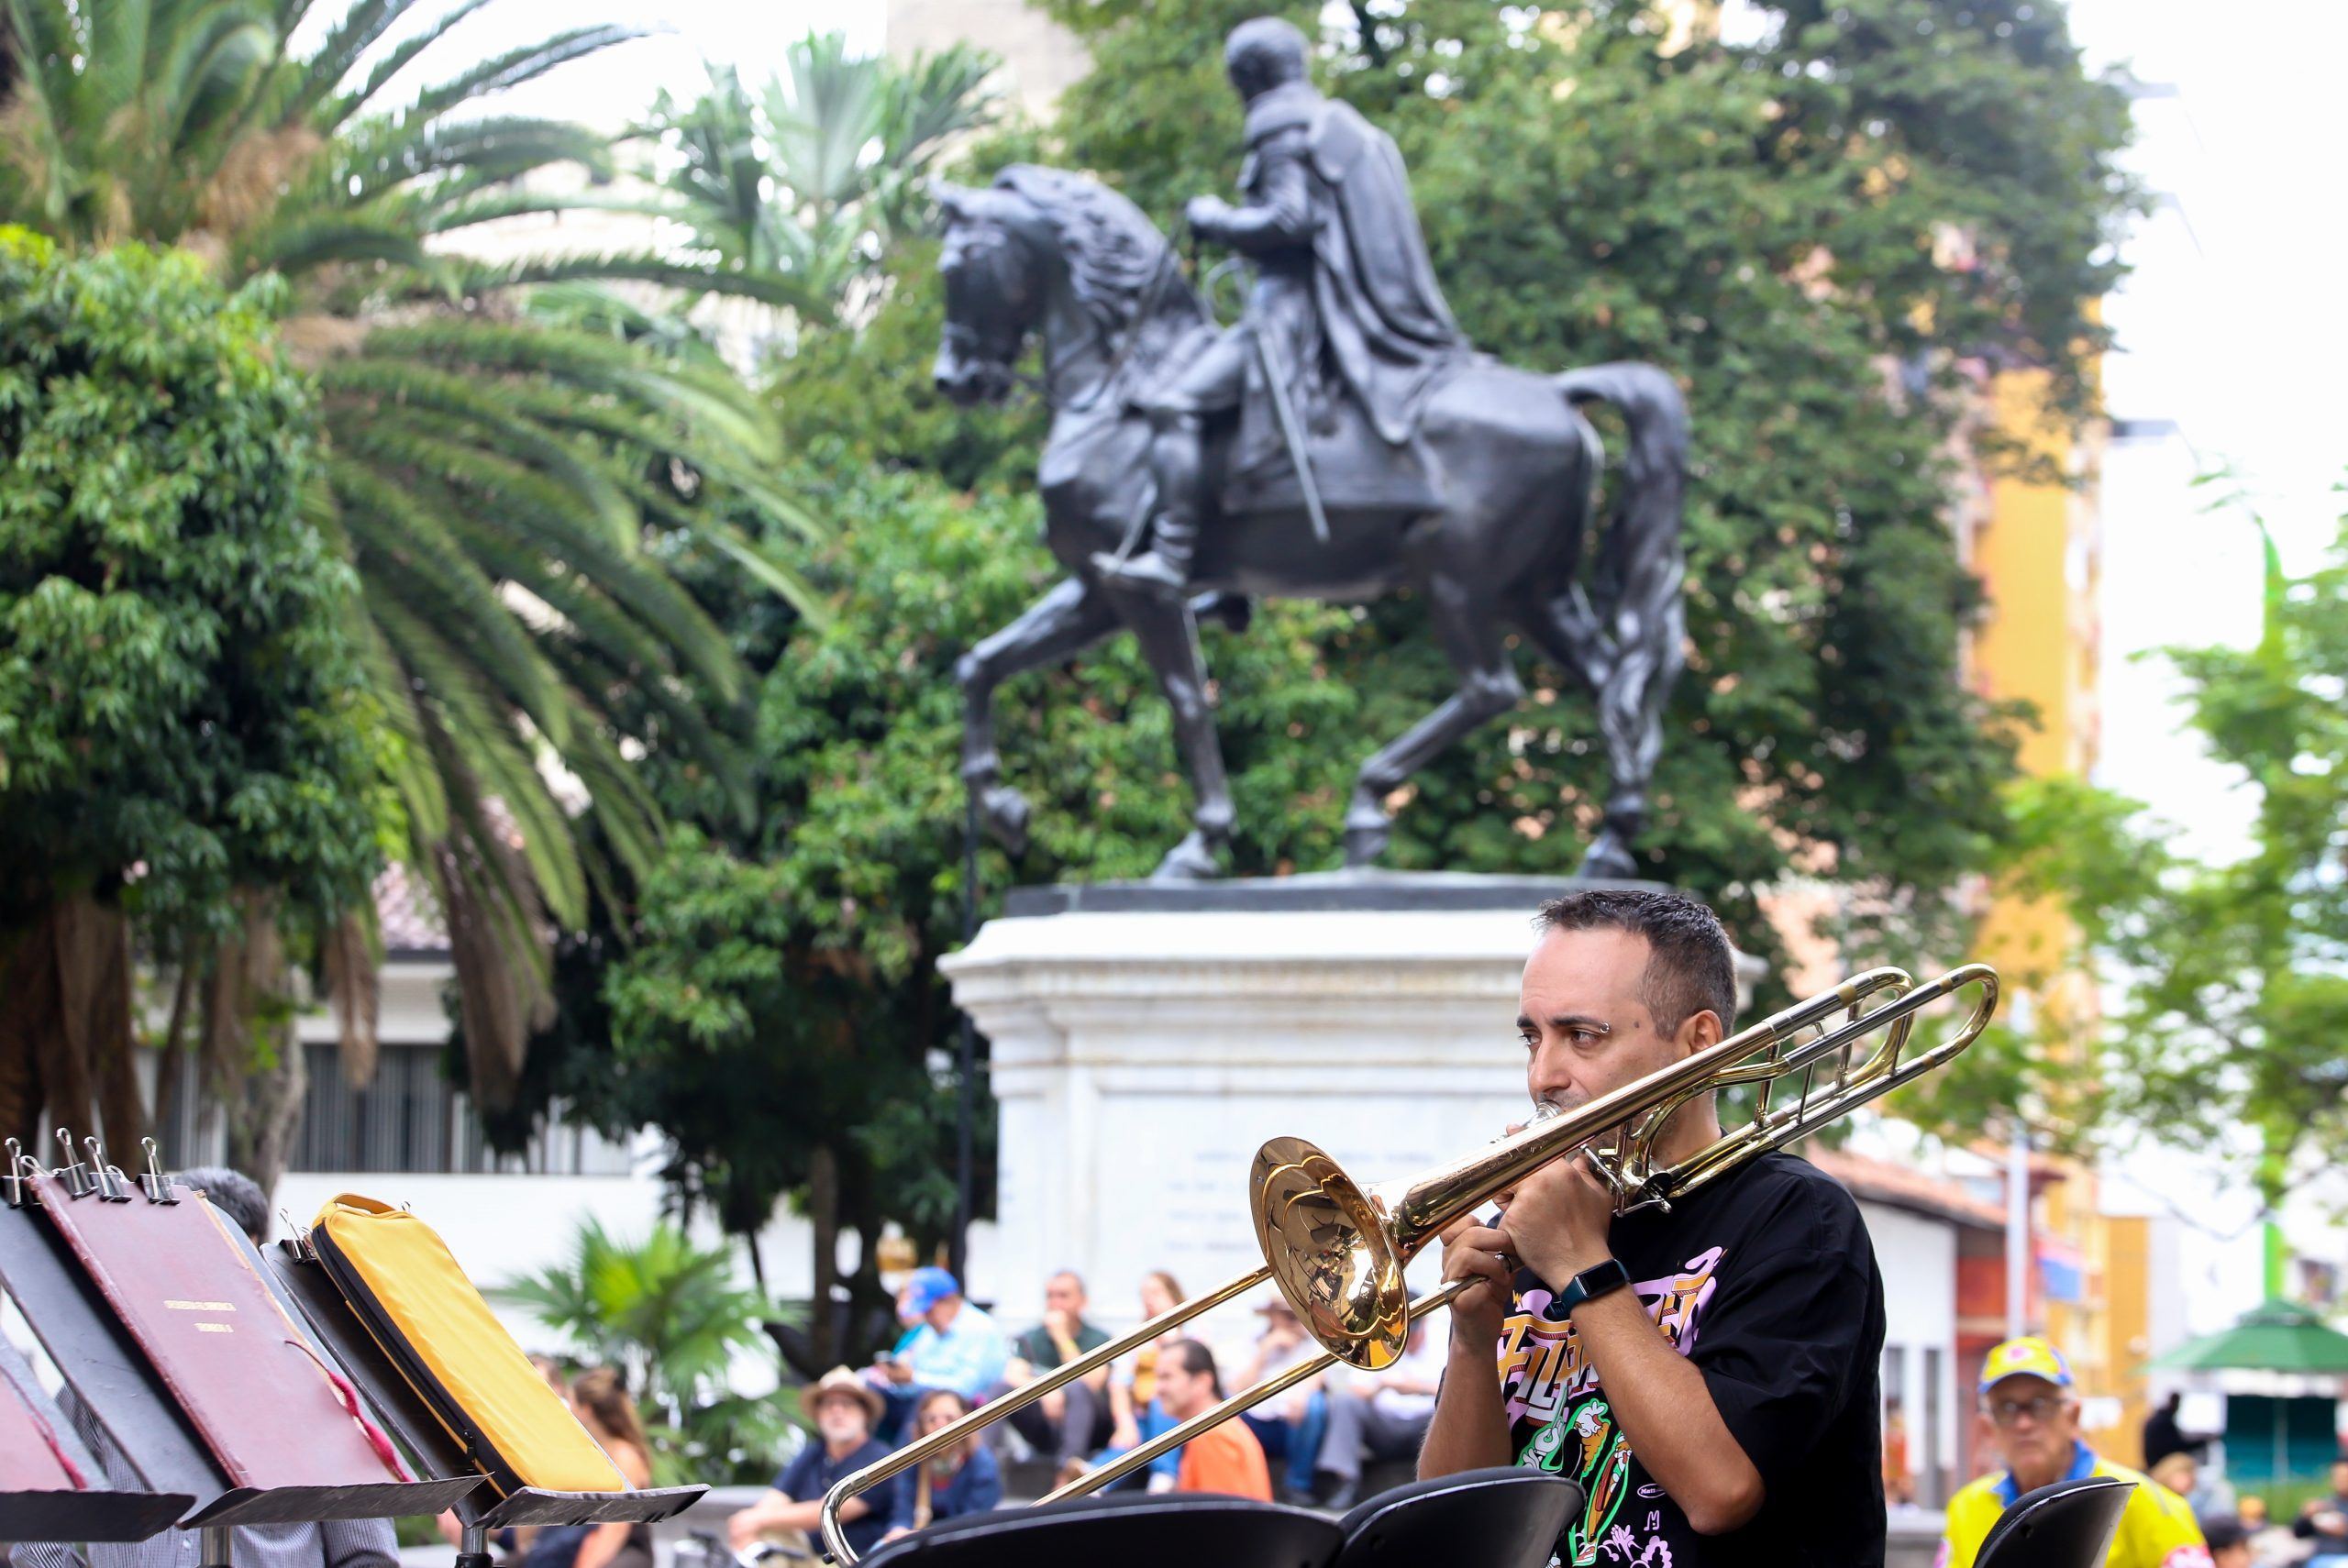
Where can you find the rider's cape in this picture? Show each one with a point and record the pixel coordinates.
(1381, 311)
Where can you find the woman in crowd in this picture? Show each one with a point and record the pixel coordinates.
(964, 1479)
(599, 1398)
(1133, 1390)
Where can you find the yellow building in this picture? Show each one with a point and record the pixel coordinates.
(2036, 549)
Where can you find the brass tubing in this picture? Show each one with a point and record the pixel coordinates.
(920, 1449)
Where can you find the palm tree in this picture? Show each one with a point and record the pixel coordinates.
(507, 470)
(669, 1317)
(812, 175)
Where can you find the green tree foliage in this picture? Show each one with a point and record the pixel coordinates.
(667, 1315)
(813, 175)
(183, 733)
(497, 464)
(2226, 1037)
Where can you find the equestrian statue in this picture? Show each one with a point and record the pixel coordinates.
(1340, 441)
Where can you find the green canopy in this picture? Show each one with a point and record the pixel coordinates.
(2279, 1336)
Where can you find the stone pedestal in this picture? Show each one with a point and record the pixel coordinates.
(1147, 1040)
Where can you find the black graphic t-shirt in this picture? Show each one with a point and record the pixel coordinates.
(1767, 1282)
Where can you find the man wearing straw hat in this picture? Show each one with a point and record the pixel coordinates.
(845, 1413)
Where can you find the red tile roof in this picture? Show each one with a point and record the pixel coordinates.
(1881, 1181)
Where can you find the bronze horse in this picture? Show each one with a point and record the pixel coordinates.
(1049, 253)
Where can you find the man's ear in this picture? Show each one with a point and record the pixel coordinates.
(1701, 1031)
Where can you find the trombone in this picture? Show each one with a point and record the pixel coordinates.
(1337, 1249)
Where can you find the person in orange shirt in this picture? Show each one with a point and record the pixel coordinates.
(1225, 1459)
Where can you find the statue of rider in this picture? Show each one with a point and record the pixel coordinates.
(1343, 284)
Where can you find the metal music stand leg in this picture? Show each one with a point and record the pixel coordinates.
(212, 1546)
(473, 1547)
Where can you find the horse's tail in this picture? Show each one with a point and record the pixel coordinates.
(1640, 550)
(1626, 631)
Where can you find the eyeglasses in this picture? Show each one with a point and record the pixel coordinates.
(2040, 1408)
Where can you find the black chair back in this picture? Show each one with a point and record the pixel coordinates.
(1502, 1517)
(1183, 1529)
(2067, 1525)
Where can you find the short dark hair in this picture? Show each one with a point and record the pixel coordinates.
(1690, 968)
(1195, 1358)
(233, 1193)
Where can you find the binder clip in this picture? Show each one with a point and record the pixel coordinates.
(74, 1173)
(153, 1181)
(113, 1187)
(12, 1178)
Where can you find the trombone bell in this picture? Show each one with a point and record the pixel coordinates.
(1330, 1252)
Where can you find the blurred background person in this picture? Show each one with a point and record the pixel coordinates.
(1380, 1415)
(965, 1479)
(2027, 1394)
(1225, 1459)
(1290, 1428)
(2206, 1494)
(2229, 1543)
(953, 1344)
(2324, 1520)
(1068, 1423)
(600, 1399)
(845, 1410)
(1898, 1485)
(1136, 1415)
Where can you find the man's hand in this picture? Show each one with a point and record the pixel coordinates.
(1474, 1251)
(1206, 215)
(898, 1372)
(1556, 1220)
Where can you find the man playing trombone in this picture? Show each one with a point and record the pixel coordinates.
(1707, 1373)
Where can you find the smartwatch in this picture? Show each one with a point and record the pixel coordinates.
(1592, 1282)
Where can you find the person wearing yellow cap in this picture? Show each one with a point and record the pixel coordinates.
(2026, 1391)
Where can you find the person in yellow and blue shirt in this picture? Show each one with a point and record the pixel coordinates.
(2026, 1390)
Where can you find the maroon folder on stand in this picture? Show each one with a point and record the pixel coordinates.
(32, 1456)
(269, 1411)
(52, 1487)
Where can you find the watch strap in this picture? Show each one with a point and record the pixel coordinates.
(1597, 1280)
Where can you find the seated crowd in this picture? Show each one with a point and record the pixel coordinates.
(1311, 1441)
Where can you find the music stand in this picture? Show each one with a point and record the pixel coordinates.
(1171, 1529)
(33, 1507)
(1506, 1517)
(2066, 1525)
(122, 1390)
(403, 1412)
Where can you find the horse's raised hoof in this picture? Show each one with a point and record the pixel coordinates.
(1192, 860)
(1608, 859)
(1004, 809)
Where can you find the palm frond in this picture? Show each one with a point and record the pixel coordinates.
(336, 112)
(403, 547)
(338, 55)
(517, 66)
(646, 267)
